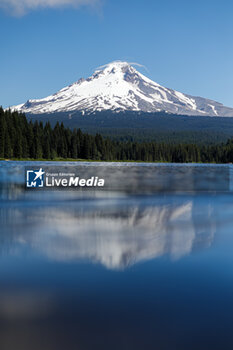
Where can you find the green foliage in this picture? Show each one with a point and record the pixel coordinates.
(146, 127)
(20, 138)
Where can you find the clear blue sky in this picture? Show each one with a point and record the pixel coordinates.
(185, 45)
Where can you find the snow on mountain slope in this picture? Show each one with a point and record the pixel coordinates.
(118, 86)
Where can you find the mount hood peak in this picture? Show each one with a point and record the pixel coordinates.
(118, 86)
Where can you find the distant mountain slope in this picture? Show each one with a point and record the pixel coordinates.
(120, 87)
(142, 126)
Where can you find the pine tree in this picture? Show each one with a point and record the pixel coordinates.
(7, 145)
(2, 133)
(18, 147)
(73, 151)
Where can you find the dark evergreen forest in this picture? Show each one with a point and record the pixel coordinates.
(23, 139)
(145, 127)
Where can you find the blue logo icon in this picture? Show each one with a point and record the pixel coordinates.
(35, 178)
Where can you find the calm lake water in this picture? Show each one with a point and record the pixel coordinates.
(129, 267)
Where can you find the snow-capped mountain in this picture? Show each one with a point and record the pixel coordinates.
(118, 86)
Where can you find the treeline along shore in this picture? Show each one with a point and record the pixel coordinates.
(23, 139)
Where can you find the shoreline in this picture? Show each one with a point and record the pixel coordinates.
(100, 161)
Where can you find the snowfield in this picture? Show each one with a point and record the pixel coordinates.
(118, 86)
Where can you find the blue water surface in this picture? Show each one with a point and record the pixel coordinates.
(113, 269)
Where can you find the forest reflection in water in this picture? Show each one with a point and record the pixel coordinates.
(115, 269)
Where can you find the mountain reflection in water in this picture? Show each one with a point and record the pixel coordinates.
(111, 234)
(117, 269)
